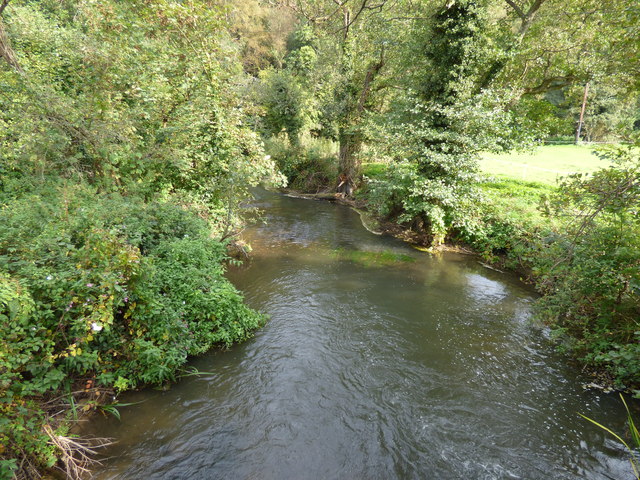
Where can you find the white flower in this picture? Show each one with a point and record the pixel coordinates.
(96, 327)
(49, 277)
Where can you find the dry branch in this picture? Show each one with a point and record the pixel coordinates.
(77, 455)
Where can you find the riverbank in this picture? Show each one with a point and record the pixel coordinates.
(100, 293)
(587, 295)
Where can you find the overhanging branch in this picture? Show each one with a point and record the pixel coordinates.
(516, 8)
(551, 82)
(3, 5)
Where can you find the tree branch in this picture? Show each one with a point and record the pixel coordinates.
(372, 72)
(3, 5)
(526, 20)
(551, 82)
(516, 8)
(535, 6)
(6, 51)
(351, 19)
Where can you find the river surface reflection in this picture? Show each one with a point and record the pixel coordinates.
(378, 362)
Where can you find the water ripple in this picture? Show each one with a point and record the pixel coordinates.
(419, 369)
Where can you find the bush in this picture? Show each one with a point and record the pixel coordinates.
(591, 275)
(105, 287)
(310, 167)
(432, 206)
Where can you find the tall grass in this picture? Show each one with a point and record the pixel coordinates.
(633, 432)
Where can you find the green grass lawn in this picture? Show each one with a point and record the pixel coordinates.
(517, 200)
(517, 182)
(544, 164)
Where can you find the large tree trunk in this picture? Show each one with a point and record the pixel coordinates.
(348, 161)
(351, 141)
(6, 52)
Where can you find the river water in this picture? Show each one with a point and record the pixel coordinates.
(378, 362)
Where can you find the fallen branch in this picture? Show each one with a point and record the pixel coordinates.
(76, 454)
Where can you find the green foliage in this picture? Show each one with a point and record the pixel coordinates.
(284, 103)
(310, 167)
(128, 96)
(120, 131)
(302, 55)
(127, 295)
(120, 128)
(22, 436)
(591, 276)
(262, 32)
(438, 131)
(545, 118)
(104, 286)
(610, 113)
(453, 48)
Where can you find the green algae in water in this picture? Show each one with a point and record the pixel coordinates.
(372, 259)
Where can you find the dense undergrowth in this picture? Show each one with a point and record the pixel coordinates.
(308, 166)
(105, 288)
(124, 165)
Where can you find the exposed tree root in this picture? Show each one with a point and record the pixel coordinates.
(76, 454)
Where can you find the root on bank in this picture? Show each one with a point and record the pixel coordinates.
(77, 455)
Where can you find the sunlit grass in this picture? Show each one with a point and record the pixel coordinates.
(518, 200)
(512, 198)
(544, 164)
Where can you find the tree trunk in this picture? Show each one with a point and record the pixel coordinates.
(6, 52)
(351, 141)
(348, 161)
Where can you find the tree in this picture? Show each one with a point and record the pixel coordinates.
(284, 101)
(136, 97)
(261, 30)
(440, 122)
(356, 40)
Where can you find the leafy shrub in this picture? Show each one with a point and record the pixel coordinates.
(107, 293)
(591, 275)
(430, 205)
(108, 287)
(310, 167)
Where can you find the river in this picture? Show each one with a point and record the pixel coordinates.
(378, 362)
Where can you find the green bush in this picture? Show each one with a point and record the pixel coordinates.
(590, 274)
(432, 206)
(310, 167)
(103, 286)
(109, 285)
(590, 289)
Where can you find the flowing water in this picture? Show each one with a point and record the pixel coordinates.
(378, 362)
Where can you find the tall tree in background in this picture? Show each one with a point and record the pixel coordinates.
(439, 121)
(356, 37)
(134, 96)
